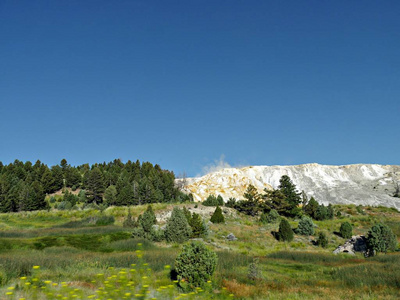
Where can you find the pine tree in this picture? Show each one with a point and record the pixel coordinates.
(285, 231)
(177, 229)
(381, 239)
(311, 208)
(95, 186)
(199, 228)
(346, 230)
(217, 216)
(110, 195)
(288, 188)
(306, 226)
(322, 240)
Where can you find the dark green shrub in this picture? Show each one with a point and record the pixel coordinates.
(330, 212)
(271, 217)
(285, 232)
(130, 222)
(214, 201)
(322, 240)
(156, 235)
(199, 228)
(195, 265)
(381, 239)
(231, 203)
(217, 216)
(148, 219)
(311, 207)
(321, 213)
(306, 226)
(187, 213)
(138, 233)
(177, 229)
(360, 210)
(220, 200)
(346, 230)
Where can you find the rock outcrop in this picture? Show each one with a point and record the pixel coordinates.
(357, 243)
(350, 184)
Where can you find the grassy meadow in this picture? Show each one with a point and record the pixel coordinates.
(72, 255)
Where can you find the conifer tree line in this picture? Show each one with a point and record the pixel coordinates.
(23, 185)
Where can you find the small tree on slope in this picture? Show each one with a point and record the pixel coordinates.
(178, 229)
(217, 216)
(285, 231)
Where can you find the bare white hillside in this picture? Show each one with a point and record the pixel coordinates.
(358, 184)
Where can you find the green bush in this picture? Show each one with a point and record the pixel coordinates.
(214, 201)
(271, 217)
(217, 216)
(322, 240)
(195, 265)
(285, 231)
(130, 222)
(177, 229)
(306, 226)
(381, 239)
(148, 219)
(231, 203)
(199, 228)
(346, 230)
(321, 213)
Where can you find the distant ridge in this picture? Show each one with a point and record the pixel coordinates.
(365, 184)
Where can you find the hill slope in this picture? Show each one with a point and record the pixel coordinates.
(363, 184)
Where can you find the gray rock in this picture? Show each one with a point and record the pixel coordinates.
(357, 243)
(231, 237)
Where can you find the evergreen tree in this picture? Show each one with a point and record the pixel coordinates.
(311, 208)
(187, 213)
(195, 265)
(381, 239)
(285, 231)
(250, 206)
(130, 222)
(288, 188)
(147, 220)
(330, 212)
(38, 196)
(276, 200)
(48, 182)
(177, 229)
(110, 195)
(322, 213)
(346, 230)
(217, 216)
(271, 217)
(322, 240)
(220, 200)
(70, 198)
(199, 228)
(95, 186)
(306, 226)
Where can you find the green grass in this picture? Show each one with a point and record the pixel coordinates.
(70, 247)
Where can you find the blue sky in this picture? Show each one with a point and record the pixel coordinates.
(184, 83)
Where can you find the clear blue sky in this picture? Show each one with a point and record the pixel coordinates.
(181, 83)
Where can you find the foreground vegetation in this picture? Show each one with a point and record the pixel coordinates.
(80, 257)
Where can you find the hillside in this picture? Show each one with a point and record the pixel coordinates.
(72, 254)
(363, 184)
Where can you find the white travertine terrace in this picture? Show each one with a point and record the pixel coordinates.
(365, 184)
